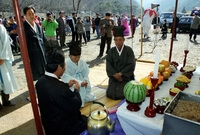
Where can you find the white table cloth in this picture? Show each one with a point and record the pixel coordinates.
(137, 123)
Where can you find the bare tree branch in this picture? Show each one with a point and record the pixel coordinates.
(74, 5)
(79, 1)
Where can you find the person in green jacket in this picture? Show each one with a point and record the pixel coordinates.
(50, 25)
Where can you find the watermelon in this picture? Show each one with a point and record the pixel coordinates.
(135, 91)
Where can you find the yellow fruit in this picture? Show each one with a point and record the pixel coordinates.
(175, 90)
(145, 80)
(161, 68)
(151, 73)
(160, 79)
(183, 78)
(165, 62)
(197, 92)
(149, 85)
(168, 69)
(165, 74)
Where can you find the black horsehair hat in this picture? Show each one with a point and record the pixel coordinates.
(108, 14)
(75, 48)
(55, 58)
(118, 31)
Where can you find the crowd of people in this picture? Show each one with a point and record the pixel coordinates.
(57, 27)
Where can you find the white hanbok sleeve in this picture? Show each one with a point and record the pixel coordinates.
(8, 79)
(5, 45)
(66, 78)
(70, 72)
(86, 74)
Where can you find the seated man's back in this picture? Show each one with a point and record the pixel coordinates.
(59, 106)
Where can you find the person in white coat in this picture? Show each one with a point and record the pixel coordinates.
(8, 83)
(148, 16)
(78, 70)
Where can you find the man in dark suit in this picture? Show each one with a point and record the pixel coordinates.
(59, 105)
(176, 26)
(106, 26)
(72, 24)
(35, 43)
(61, 28)
(97, 22)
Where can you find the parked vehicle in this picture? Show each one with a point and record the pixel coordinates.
(169, 17)
(187, 13)
(196, 9)
(184, 24)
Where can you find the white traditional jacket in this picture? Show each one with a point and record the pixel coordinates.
(7, 80)
(79, 72)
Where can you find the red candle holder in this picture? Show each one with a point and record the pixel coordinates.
(184, 61)
(150, 110)
(134, 107)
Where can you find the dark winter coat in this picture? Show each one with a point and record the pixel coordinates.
(59, 107)
(115, 63)
(35, 45)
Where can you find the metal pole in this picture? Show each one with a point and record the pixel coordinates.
(131, 8)
(173, 30)
(157, 16)
(141, 28)
(27, 67)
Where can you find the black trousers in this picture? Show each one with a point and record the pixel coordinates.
(62, 38)
(93, 30)
(105, 40)
(74, 35)
(193, 31)
(175, 32)
(88, 35)
(84, 37)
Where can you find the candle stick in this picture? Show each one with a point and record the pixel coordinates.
(184, 61)
(155, 73)
(150, 110)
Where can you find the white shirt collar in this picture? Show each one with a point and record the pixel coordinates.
(50, 74)
(33, 27)
(64, 20)
(120, 52)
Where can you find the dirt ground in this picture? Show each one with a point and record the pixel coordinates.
(19, 120)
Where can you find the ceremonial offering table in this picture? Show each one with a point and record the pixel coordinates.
(137, 123)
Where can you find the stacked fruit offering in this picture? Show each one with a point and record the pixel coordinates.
(166, 69)
(164, 72)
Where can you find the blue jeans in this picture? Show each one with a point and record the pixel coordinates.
(98, 31)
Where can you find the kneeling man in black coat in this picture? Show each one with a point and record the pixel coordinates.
(59, 106)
